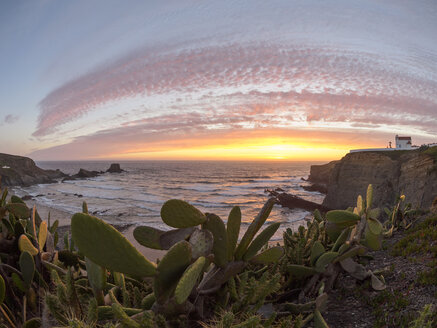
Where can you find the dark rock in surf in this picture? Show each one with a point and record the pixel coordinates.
(321, 188)
(291, 201)
(114, 168)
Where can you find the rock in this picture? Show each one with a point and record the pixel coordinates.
(412, 173)
(27, 197)
(22, 171)
(291, 201)
(321, 188)
(115, 168)
(320, 173)
(86, 174)
(82, 174)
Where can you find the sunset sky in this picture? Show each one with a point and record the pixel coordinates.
(296, 80)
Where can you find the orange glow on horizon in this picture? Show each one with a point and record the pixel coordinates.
(258, 149)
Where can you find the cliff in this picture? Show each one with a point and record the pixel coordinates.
(413, 173)
(22, 171)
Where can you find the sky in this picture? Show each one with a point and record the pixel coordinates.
(221, 80)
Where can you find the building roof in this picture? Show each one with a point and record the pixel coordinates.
(404, 138)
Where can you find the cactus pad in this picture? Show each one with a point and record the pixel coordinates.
(27, 268)
(270, 255)
(148, 236)
(356, 270)
(360, 204)
(201, 243)
(107, 247)
(342, 217)
(172, 237)
(324, 260)
(333, 230)
(369, 196)
(319, 322)
(374, 226)
(25, 245)
(220, 244)
(179, 214)
(189, 279)
(357, 250)
(262, 239)
(170, 269)
(317, 215)
(377, 284)
(233, 230)
(341, 239)
(96, 274)
(19, 210)
(42, 235)
(16, 199)
(316, 251)
(373, 241)
(300, 271)
(254, 227)
(219, 276)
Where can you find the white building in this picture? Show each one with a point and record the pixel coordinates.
(403, 142)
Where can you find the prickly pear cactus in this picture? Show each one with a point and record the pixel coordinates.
(25, 245)
(148, 236)
(179, 214)
(201, 243)
(170, 269)
(262, 239)
(233, 230)
(189, 280)
(92, 236)
(253, 228)
(220, 244)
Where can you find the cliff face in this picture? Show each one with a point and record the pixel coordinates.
(321, 173)
(412, 173)
(22, 171)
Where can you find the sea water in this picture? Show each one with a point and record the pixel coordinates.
(136, 195)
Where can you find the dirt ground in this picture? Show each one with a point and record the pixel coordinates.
(355, 305)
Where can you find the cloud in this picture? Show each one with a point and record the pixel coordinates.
(321, 83)
(10, 119)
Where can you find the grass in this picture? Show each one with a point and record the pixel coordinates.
(419, 240)
(432, 152)
(388, 307)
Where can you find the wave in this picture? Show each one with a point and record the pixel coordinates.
(100, 187)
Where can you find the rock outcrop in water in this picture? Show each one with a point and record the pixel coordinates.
(292, 201)
(114, 168)
(412, 173)
(22, 171)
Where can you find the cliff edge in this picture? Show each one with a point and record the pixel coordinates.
(22, 171)
(412, 173)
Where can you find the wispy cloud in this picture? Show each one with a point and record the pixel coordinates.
(10, 119)
(320, 84)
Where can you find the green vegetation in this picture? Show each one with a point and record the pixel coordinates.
(432, 151)
(419, 240)
(207, 277)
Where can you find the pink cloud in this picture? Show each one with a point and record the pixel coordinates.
(326, 84)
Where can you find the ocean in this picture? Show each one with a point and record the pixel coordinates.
(136, 196)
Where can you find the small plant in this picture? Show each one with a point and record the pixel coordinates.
(400, 216)
(27, 244)
(427, 318)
